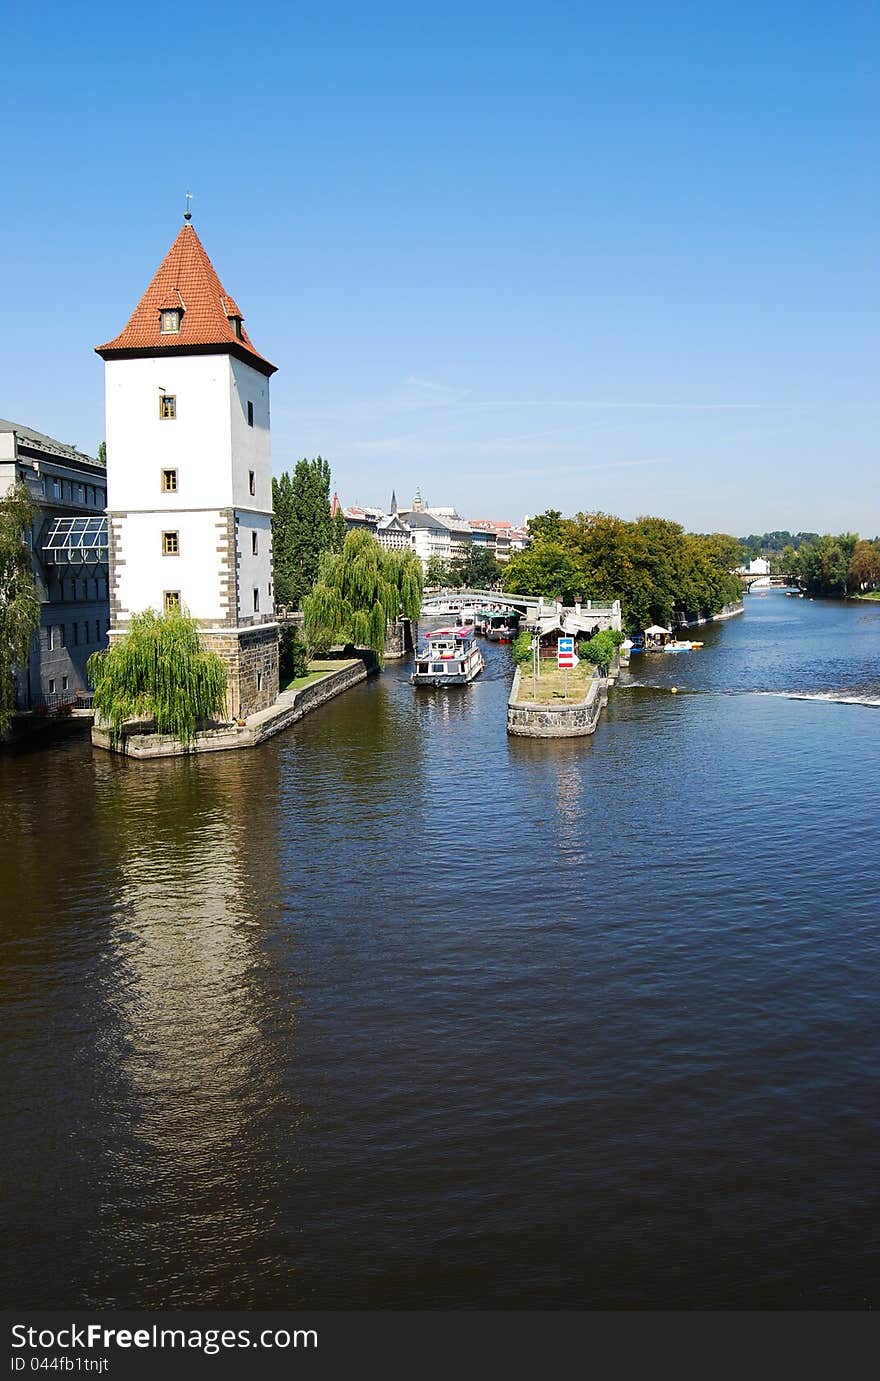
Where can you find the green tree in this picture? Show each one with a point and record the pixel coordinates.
(102, 452)
(359, 591)
(824, 564)
(547, 526)
(302, 528)
(19, 606)
(340, 531)
(160, 671)
(545, 568)
(864, 566)
(438, 572)
(481, 570)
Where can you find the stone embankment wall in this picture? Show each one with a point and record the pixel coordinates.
(529, 720)
(400, 640)
(288, 709)
(726, 612)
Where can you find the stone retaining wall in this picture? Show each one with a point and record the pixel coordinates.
(288, 709)
(529, 720)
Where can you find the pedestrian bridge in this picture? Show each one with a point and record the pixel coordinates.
(532, 607)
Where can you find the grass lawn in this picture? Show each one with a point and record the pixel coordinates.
(551, 683)
(316, 670)
(872, 594)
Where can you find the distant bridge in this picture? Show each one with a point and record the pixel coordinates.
(766, 581)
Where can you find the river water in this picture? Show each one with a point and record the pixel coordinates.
(398, 1012)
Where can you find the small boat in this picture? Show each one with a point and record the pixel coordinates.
(450, 657)
(679, 646)
(501, 627)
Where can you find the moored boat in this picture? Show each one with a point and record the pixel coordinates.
(449, 657)
(501, 626)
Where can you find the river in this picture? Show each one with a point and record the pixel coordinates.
(397, 1012)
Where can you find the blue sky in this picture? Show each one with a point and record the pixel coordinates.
(521, 255)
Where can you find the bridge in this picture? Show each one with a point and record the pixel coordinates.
(766, 581)
(532, 607)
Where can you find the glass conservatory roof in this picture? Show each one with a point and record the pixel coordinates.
(76, 539)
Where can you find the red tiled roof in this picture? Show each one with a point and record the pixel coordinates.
(186, 279)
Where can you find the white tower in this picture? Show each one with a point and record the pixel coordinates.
(189, 471)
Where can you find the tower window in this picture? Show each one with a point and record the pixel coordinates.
(252, 482)
(255, 550)
(256, 600)
(235, 323)
(250, 414)
(169, 481)
(169, 321)
(172, 601)
(167, 406)
(170, 544)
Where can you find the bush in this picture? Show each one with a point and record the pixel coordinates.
(522, 648)
(293, 655)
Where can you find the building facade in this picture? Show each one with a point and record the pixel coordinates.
(189, 472)
(69, 553)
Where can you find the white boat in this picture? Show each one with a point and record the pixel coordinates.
(449, 657)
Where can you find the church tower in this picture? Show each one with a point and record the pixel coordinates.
(189, 471)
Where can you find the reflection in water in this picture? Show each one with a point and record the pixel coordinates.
(184, 991)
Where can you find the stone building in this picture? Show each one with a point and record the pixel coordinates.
(69, 554)
(189, 474)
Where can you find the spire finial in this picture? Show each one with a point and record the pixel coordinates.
(188, 215)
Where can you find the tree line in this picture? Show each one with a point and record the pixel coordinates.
(829, 565)
(774, 543)
(656, 569)
(477, 570)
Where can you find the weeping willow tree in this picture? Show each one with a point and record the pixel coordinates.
(359, 591)
(158, 671)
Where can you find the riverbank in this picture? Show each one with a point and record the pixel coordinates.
(305, 694)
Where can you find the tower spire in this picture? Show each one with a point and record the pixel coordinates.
(188, 215)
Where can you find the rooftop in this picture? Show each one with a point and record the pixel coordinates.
(208, 318)
(38, 441)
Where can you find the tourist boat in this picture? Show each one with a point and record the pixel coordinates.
(450, 657)
(503, 626)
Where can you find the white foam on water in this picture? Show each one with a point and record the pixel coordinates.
(872, 702)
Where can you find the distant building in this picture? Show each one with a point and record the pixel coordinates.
(500, 538)
(393, 533)
(69, 552)
(362, 519)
